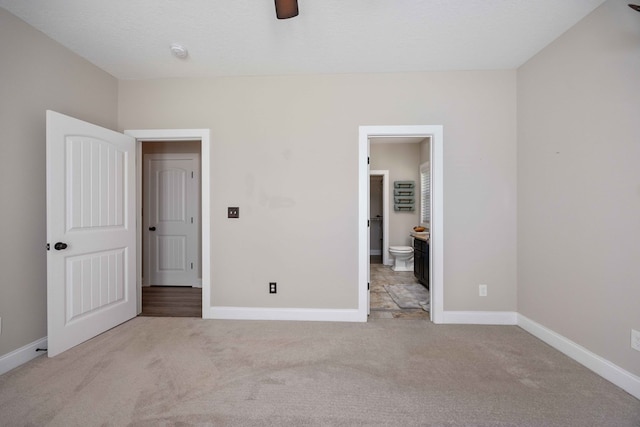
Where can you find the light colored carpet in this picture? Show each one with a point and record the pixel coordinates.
(409, 295)
(193, 372)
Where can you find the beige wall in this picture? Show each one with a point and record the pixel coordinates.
(285, 149)
(36, 74)
(579, 184)
(403, 163)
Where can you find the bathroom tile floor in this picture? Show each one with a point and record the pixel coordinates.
(382, 305)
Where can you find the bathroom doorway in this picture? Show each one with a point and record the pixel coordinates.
(396, 293)
(368, 134)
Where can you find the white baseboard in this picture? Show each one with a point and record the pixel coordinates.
(331, 315)
(480, 317)
(22, 355)
(305, 314)
(609, 371)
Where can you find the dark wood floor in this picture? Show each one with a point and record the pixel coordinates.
(171, 301)
(375, 259)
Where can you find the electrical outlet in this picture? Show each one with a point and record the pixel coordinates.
(272, 287)
(635, 339)
(482, 290)
(233, 212)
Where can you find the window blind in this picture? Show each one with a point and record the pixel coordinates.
(425, 193)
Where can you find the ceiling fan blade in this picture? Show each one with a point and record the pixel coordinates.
(286, 8)
(635, 7)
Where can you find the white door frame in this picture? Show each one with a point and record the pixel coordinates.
(203, 135)
(385, 213)
(436, 250)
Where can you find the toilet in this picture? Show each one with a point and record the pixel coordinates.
(403, 258)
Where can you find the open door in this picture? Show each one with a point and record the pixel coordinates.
(91, 231)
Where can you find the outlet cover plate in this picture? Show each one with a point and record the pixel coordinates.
(233, 212)
(482, 290)
(635, 339)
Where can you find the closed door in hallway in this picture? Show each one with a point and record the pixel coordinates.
(171, 220)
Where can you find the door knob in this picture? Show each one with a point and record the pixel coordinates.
(60, 246)
(152, 229)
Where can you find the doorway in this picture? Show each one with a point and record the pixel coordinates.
(435, 133)
(182, 138)
(171, 249)
(101, 171)
(397, 294)
(170, 214)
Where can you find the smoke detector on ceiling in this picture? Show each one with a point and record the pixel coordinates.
(179, 51)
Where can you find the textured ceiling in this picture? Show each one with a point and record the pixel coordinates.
(130, 38)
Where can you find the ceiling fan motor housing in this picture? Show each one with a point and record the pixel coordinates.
(286, 8)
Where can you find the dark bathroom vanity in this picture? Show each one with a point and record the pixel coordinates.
(421, 260)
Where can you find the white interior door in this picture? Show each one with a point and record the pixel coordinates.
(91, 261)
(171, 219)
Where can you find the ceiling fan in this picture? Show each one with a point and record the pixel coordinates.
(286, 8)
(289, 8)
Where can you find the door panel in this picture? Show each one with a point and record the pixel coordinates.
(91, 209)
(171, 220)
(94, 281)
(171, 253)
(96, 186)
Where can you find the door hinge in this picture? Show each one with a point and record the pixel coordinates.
(191, 220)
(368, 159)
(48, 247)
(368, 285)
(192, 266)
(368, 224)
